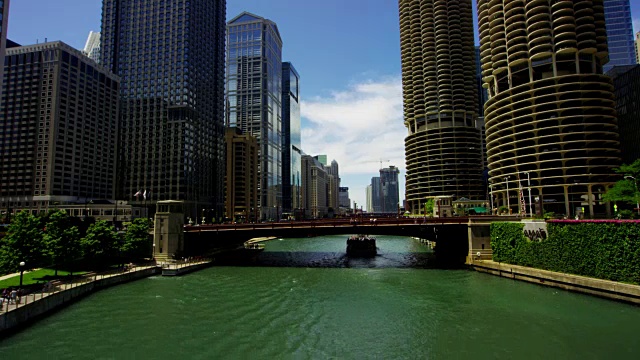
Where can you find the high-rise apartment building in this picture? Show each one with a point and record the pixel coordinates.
(619, 26)
(551, 113)
(170, 57)
(376, 194)
(291, 144)
(4, 25)
(315, 183)
(483, 94)
(92, 46)
(345, 202)
(254, 98)
(58, 128)
(241, 181)
(390, 189)
(333, 192)
(442, 149)
(369, 196)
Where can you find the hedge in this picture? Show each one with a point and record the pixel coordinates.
(604, 250)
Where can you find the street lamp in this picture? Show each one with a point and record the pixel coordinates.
(529, 187)
(506, 180)
(636, 184)
(22, 264)
(491, 196)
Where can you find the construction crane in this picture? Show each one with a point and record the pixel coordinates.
(378, 161)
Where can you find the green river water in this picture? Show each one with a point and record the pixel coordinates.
(304, 299)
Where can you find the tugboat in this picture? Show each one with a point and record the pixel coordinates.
(361, 246)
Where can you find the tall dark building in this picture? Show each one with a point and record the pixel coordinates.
(376, 194)
(440, 96)
(617, 14)
(170, 57)
(626, 82)
(291, 143)
(551, 113)
(390, 189)
(58, 128)
(483, 94)
(4, 22)
(254, 99)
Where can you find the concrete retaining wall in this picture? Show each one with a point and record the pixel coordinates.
(29, 312)
(582, 284)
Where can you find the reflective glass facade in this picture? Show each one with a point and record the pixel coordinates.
(291, 154)
(4, 17)
(617, 14)
(254, 99)
(170, 57)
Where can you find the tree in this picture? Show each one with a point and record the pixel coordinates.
(23, 242)
(100, 244)
(428, 207)
(625, 190)
(61, 239)
(137, 243)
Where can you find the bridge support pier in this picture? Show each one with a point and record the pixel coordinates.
(479, 234)
(168, 231)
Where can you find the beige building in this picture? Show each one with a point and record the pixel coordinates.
(315, 186)
(241, 181)
(59, 121)
(551, 113)
(637, 42)
(440, 98)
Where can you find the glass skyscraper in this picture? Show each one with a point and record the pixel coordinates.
(617, 14)
(254, 93)
(291, 143)
(170, 57)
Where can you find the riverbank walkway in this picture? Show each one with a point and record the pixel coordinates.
(57, 286)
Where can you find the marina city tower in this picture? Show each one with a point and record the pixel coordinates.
(443, 149)
(550, 118)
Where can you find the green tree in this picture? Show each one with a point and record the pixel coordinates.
(101, 243)
(626, 190)
(428, 207)
(23, 242)
(61, 239)
(137, 243)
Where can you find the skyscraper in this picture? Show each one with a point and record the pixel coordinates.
(626, 82)
(637, 47)
(345, 202)
(92, 46)
(291, 147)
(315, 182)
(551, 113)
(619, 26)
(442, 149)
(58, 128)
(390, 189)
(4, 24)
(376, 194)
(369, 195)
(254, 93)
(170, 57)
(241, 198)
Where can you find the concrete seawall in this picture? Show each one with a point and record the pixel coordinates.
(29, 312)
(582, 284)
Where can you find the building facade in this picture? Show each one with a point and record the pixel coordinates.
(333, 192)
(4, 25)
(376, 195)
(369, 196)
(440, 100)
(390, 190)
(551, 113)
(170, 57)
(315, 183)
(254, 98)
(291, 144)
(626, 83)
(58, 128)
(92, 46)
(619, 26)
(637, 47)
(345, 201)
(241, 199)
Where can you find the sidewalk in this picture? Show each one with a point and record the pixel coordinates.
(4, 277)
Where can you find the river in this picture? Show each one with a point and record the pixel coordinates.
(303, 299)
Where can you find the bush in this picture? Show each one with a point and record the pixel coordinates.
(605, 250)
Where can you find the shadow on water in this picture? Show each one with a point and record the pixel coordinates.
(415, 260)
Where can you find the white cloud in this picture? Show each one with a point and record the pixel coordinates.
(357, 127)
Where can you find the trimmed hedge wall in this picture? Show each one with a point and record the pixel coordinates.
(608, 251)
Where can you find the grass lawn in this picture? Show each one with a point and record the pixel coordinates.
(42, 275)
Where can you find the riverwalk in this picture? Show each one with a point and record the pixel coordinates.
(57, 294)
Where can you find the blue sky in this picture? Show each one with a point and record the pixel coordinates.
(346, 51)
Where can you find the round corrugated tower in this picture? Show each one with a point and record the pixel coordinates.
(551, 113)
(443, 149)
